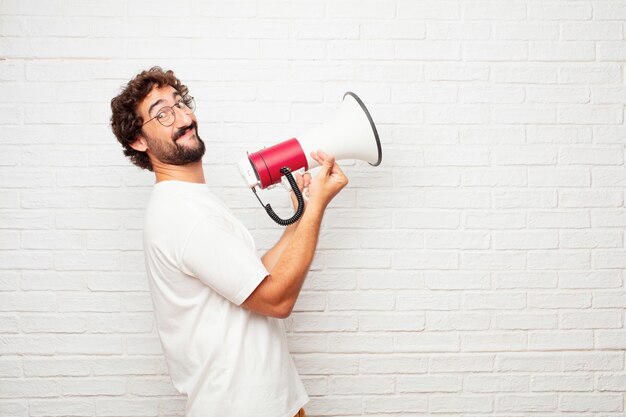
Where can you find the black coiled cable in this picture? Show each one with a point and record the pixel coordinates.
(294, 186)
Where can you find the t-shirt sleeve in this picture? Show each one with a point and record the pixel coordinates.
(223, 260)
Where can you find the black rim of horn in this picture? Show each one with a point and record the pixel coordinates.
(369, 117)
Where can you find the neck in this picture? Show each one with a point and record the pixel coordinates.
(192, 172)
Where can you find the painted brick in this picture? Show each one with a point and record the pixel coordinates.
(593, 361)
(592, 402)
(489, 383)
(429, 384)
(529, 362)
(461, 362)
(532, 403)
(458, 403)
(393, 365)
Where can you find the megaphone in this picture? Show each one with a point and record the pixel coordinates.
(350, 134)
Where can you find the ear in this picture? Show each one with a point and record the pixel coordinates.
(140, 144)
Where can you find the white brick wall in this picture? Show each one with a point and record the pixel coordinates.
(478, 271)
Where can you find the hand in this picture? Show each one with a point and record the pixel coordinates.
(328, 181)
(303, 182)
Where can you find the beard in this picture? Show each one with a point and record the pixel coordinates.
(173, 153)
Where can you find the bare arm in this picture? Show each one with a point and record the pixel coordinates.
(277, 293)
(271, 257)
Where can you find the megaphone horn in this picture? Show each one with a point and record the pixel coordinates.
(350, 134)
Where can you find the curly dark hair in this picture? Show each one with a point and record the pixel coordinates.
(125, 122)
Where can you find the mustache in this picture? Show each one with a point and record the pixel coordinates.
(184, 130)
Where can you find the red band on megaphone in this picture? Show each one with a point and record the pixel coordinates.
(269, 161)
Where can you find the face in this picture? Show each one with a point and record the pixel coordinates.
(178, 144)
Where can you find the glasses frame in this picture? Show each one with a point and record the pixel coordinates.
(187, 98)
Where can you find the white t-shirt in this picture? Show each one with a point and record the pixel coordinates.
(202, 265)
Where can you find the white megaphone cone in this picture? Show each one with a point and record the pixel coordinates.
(350, 134)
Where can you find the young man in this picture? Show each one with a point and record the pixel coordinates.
(217, 305)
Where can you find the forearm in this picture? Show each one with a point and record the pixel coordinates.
(271, 257)
(293, 265)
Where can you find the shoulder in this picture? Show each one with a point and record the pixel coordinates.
(171, 211)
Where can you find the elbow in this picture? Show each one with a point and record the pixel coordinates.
(282, 303)
(281, 315)
(283, 310)
(270, 300)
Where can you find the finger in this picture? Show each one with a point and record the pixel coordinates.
(320, 157)
(337, 172)
(307, 179)
(316, 157)
(326, 161)
(299, 181)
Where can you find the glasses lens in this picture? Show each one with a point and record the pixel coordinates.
(190, 103)
(166, 117)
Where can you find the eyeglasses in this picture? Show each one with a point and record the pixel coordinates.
(166, 116)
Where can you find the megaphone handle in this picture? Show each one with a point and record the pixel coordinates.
(294, 186)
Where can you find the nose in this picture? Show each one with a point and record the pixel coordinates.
(182, 117)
